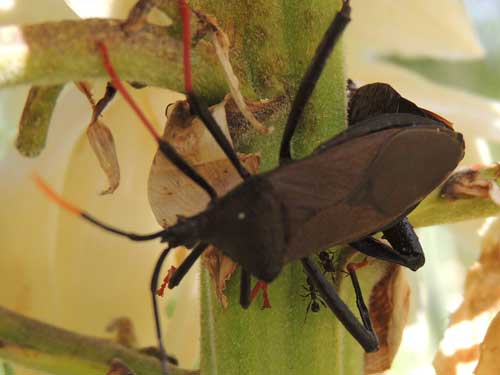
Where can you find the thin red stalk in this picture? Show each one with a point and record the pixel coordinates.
(121, 88)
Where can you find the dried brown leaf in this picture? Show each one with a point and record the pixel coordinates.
(470, 183)
(171, 193)
(221, 269)
(102, 142)
(100, 137)
(389, 306)
(221, 44)
(489, 350)
(468, 325)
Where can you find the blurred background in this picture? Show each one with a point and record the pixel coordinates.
(442, 55)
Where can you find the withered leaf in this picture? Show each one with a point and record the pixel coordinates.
(468, 325)
(389, 306)
(102, 142)
(220, 268)
(470, 183)
(221, 44)
(489, 350)
(171, 193)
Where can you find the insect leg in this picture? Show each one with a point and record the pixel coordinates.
(245, 286)
(199, 108)
(404, 240)
(360, 303)
(312, 75)
(363, 333)
(153, 288)
(186, 265)
(406, 249)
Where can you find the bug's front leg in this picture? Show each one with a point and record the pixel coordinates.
(245, 287)
(406, 249)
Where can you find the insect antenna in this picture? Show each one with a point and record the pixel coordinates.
(153, 289)
(63, 203)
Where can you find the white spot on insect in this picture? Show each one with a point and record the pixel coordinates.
(241, 215)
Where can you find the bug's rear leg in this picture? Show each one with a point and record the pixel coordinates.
(360, 303)
(362, 332)
(406, 249)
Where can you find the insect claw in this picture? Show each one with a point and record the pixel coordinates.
(266, 304)
(161, 290)
(351, 267)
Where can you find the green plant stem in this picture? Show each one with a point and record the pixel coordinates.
(60, 352)
(435, 210)
(58, 52)
(35, 120)
(272, 56)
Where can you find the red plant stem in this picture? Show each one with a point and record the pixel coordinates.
(117, 82)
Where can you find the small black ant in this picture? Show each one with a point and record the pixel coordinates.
(327, 261)
(316, 299)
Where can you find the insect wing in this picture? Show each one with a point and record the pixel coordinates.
(410, 165)
(363, 180)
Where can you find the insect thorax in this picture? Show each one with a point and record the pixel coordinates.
(247, 225)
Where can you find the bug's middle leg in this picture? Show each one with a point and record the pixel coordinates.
(186, 265)
(245, 286)
(406, 249)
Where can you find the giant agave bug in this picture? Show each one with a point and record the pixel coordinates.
(372, 175)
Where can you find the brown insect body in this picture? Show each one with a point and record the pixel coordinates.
(357, 183)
